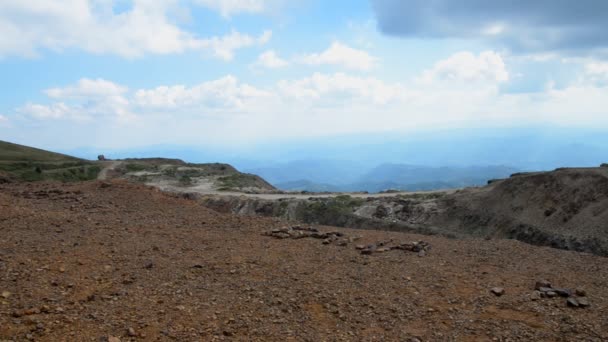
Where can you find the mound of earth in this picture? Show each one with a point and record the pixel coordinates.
(175, 175)
(565, 208)
(23, 163)
(117, 261)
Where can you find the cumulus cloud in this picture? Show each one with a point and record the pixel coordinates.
(224, 47)
(29, 26)
(87, 88)
(229, 7)
(342, 88)
(54, 111)
(523, 26)
(85, 100)
(322, 104)
(270, 60)
(596, 72)
(488, 66)
(94, 99)
(224, 93)
(339, 54)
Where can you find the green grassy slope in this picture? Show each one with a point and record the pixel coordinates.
(25, 163)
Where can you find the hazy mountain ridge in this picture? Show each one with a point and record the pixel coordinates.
(290, 176)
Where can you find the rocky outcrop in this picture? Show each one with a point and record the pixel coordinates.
(565, 209)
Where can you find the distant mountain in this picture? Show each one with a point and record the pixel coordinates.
(334, 172)
(306, 185)
(414, 177)
(383, 177)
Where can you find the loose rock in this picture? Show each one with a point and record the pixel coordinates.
(498, 291)
(572, 302)
(583, 302)
(542, 284)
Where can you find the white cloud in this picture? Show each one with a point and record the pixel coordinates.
(270, 60)
(3, 119)
(596, 71)
(224, 93)
(318, 105)
(29, 26)
(465, 66)
(224, 47)
(87, 88)
(341, 87)
(85, 100)
(229, 7)
(339, 54)
(54, 111)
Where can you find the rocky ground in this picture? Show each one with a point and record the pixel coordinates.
(566, 208)
(113, 261)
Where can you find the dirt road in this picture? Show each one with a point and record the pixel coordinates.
(107, 167)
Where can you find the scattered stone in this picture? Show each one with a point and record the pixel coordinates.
(104, 185)
(498, 291)
(149, 265)
(419, 247)
(542, 284)
(367, 251)
(536, 295)
(131, 332)
(572, 302)
(113, 339)
(545, 289)
(563, 292)
(360, 247)
(6, 294)
(551, 294)
(583, 302)
(299, 232)
(580, 292)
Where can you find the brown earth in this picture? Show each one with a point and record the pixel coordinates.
(104, 260)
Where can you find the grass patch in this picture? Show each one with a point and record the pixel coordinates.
(135, 167)
(238, 181)
(330, 209)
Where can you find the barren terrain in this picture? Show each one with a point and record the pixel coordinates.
(110, 260)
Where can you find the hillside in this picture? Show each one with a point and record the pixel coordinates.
(23, 163)
(175, 175)
(117, 261)
(565, 208)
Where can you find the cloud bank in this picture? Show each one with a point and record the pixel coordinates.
(520, 25)
(462, 90)
(147, 27)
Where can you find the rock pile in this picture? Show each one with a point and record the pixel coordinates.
(576, 298)
(419, 247)
(341, 239)
(300, 232)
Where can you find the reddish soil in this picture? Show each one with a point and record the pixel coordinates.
(116, 261)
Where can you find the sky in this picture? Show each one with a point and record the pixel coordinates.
(121, 74)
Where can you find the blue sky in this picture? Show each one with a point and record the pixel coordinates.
(119, 74)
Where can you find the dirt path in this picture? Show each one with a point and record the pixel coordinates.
(107, 166)
(208, 190)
